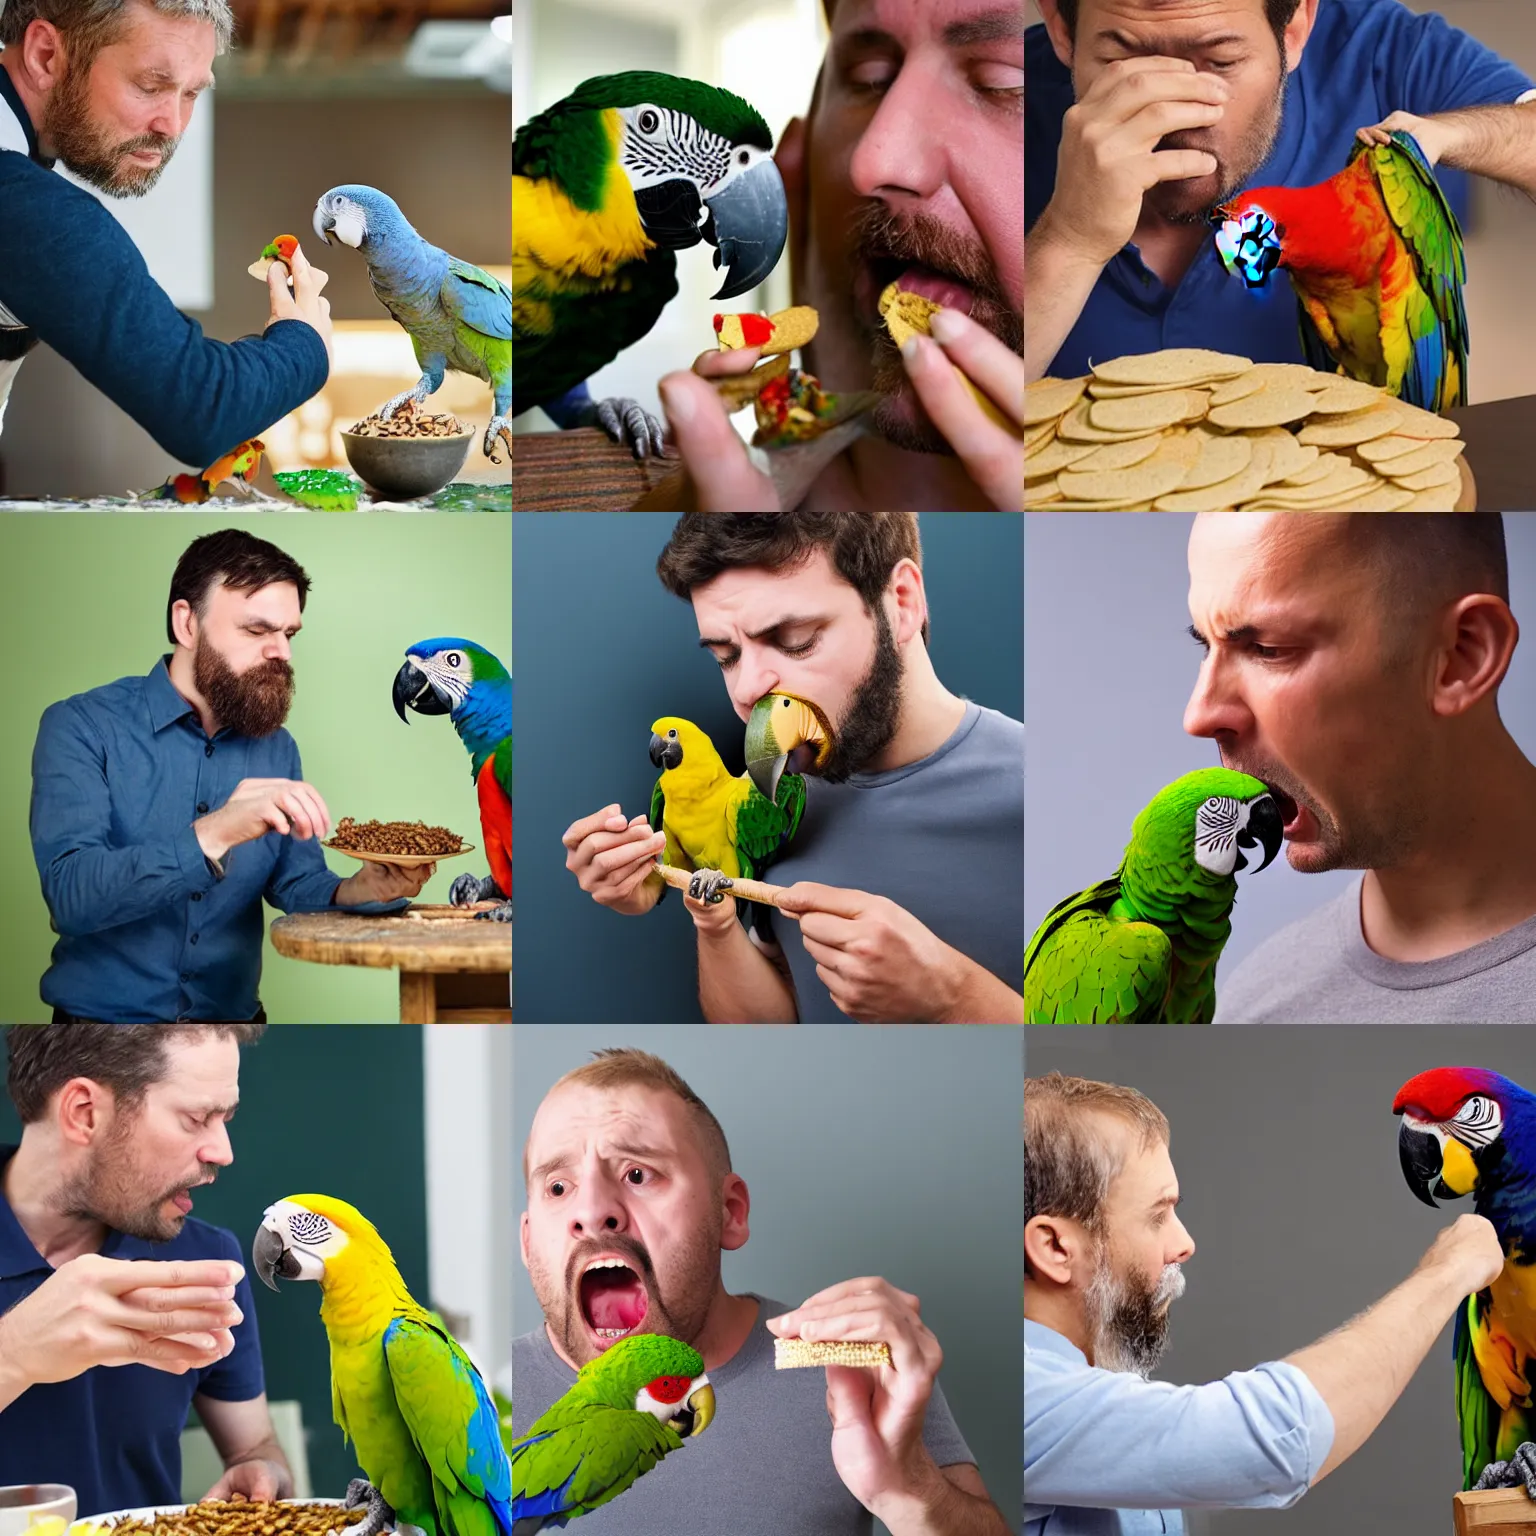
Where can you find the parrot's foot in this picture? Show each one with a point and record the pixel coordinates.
(380, 1517)
(628, 423)
(414, 397)
(709, 885)
(468, 889)
(500, 427)
(1519, 1470)
(501, 914)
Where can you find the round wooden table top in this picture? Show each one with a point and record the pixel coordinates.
(401, 942)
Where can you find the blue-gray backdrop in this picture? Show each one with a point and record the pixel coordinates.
(603, 649)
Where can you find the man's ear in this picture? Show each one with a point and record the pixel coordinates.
(1060, 33)
(1054, 1246)
(736, 1203)
(1298, 30)
(1480, 636)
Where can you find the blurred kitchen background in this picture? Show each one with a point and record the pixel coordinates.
(1500, 223)
(765, 50)
(409, 96)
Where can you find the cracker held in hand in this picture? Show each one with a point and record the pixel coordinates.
(781, 332)
(281, 249)
(792, 1354)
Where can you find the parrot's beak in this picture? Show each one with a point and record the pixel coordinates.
(1422, 1162)
(784, 731)
(272, 1259)
(748, 224)
(696, 1415)
(1265, 826)
(324, 223)
(415, 690)
(665, 753)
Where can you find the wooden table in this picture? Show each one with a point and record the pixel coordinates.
(453, 970)
(1499, 436)
(580, 471)
(1500, 1511)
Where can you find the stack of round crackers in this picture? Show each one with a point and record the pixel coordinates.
(1186, 430)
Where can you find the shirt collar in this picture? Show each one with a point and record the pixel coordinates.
(166, 706)
(13, 101)
(1038, 1336)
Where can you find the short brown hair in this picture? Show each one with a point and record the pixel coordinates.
(1069, 1163)
(625, 1067)
(864, 547)
(229, 558)
(88, 26)
(1429, 560)
(1278, 13)
(127, 1058)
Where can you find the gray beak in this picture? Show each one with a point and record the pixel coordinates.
(271, 1259)
(323, 223)
(748, 225)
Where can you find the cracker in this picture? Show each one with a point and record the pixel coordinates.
(1114, 455)
(1075, 427)
(1444, 451)
(1382, 449)
(1141, 482)
(1172, 367)
(778, 333)
(1272, 406)
(1437, 499)
(1050, 461)
(1221, 458)
(910, 314)
(1422, 423)
(1051, 399)
(1381, 498)
(1225, 493)
(1356, 427)
(1431, 479)
(1292, 456)
(1323, 465)
(1141, 412)
(1344, 395)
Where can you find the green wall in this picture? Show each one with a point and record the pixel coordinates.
(82, 602)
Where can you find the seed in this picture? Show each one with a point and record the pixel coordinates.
(408, 421)
(400, 837)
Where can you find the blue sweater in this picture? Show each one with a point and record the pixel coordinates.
(71, 277)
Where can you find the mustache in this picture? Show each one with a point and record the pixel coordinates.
(163, 142)
(626, 1247)
(208, 1173)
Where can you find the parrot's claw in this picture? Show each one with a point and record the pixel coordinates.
(468, 889)
(628, 423)
(500, 427)
(709, 885)
(414, 397)
(501, 914)
(1519, 1470)
(380, 1517)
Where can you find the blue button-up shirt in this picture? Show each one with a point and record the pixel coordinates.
(1364, 60)
(113, 1433)
(1107, 1453)
(148, 929)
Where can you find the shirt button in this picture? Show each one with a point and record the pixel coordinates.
(197, 895)
(194, 938)
(208, 750)
(185, 978)
(202, 807)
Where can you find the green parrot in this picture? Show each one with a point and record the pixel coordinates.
(606, 185)
(725, 827)
(632, 1405)
(1142, 946)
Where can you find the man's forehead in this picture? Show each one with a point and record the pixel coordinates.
(1170, 17)
(1239, 563)
(751, 597)
(1147, 1173)
(910, 19)
(276, 598)
(580, 1114)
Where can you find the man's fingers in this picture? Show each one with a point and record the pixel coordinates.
(810, 896)
(993, 456)
(1182, 165)
(716, 457)
(628, 849)
(581, 829)
(119, 1276)
(991, 366)
(167, 1299)
(277, 287)
(716, 364)
(181, 1320)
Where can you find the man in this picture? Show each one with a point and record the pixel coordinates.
(907, 167)
(831, 607)
(108, 90)
(120, 1309)
(164, 808)
(1106, 1451)
(1353, 663)
(895, 1450)
(1146, 114)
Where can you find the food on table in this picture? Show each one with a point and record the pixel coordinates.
(792, 1354)
(409, 422)
(326, 490)
(281, 249)
(413, 838)
(238, 1517)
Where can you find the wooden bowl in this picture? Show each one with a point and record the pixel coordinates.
(405, 860)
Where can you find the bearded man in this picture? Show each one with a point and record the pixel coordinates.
(1108, 1452)
(166, 807)
(107, 88)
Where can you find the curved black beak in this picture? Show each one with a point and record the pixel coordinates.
(666, 751)
(415, 690)
(1421, 1158)
(271, 1260)
(1266, 827)
(748, 225)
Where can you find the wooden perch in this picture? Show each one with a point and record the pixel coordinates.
(579, 471)
(745, 890)
(1509, 1511)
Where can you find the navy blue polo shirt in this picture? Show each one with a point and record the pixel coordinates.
(1364, 60)
(114, 1433)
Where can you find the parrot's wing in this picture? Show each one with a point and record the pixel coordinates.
(763, 826)
(658, 806)
(454, 1423)
(478, 299)
(1083, 968)
(575, 1466)
(1476, 1410)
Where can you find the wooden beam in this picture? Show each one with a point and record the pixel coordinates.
(1509, 1511)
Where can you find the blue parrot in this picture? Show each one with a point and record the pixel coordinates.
(456, 315)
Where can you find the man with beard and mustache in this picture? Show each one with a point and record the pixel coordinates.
(1144, 115)
(119, 1310)
(830, 606)
(1107, 1451)
(907, 166)
(625, 1162)
(106, 88)
(165, 808)
(1354, 664)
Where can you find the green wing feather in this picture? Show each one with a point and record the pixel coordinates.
(762, 826)
(603, 1449)
(1476, 1410)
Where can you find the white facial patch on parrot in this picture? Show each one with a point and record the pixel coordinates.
(451, 671)
(663, 1406)
(1477, 1123)
(661, 145)
(1217, 825)
(351, 222)
(306, 1235)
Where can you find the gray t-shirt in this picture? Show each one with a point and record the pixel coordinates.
(1321, 971)
(762, 1468)
(942, 837)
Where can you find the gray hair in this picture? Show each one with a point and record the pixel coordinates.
(88, 26)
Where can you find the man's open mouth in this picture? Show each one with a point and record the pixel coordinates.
(613, 1298)
(942, 287)
(1288, 808)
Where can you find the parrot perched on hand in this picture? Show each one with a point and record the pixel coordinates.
(725, 827)
(632, 1405)
(415, 1409)
(464, 681)
(606, 185)
(1141, 947)
(1375, 256)
(1468, 1131)
(456, 315)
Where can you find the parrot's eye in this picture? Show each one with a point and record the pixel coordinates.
(306, 1227)
(672, 735)
(743, 158)
(649, 121)
(453, 659)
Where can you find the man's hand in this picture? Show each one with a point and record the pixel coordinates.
(1109, 158)
(612, 860)
(993, 457)
(304, 302)
(258, 806)
(1434, 136)
(257, 1480)
(175, 1316)
(723, 475)
(713, 921)
(1470, 1250)
(383, 882)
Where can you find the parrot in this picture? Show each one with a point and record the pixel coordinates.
(1375, 256)
(632, 1405)
(1469, 1131)
(1141, 947)
(456, 315)
(606, 185)
(240, 466)
(403, 1392)
(462, 680)
(724, 827)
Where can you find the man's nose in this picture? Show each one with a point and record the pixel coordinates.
(218, 1151)
(597, 1209)
(1184, 1244)
(1216, 706)
(901, 149)
(277, 648)
(752, 677)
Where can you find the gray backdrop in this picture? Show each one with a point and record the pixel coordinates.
(603, 649)
(892, 1152)
(1109, 668)
(1286, 1150)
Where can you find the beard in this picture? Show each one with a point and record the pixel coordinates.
(89, 151)
(110, 1190)
(887, 244)
(870, 721)
(250, 703)
(1128, 1318)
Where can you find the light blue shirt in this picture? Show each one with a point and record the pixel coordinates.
(1102, 1447)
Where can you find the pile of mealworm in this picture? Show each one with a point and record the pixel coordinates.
(413, 837)
(241, 1517)
(409, 423)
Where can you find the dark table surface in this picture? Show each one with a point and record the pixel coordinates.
(1501, 448)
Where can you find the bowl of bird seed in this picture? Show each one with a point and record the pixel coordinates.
(225, 1517)
(396, 842)
(413, 453)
